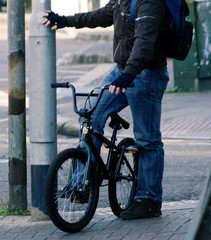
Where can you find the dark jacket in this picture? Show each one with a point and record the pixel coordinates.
(135, 45)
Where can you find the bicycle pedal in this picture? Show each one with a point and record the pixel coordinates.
(76, 201)
(131, 149)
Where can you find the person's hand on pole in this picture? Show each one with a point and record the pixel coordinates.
(55, 20)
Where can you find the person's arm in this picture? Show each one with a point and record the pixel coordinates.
(149, 16)
(147, 25)
(103, 17)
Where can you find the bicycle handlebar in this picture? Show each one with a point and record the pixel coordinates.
(82, 112)
(60, 85)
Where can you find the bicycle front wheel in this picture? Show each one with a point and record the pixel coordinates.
(122, 187)
(69, 198)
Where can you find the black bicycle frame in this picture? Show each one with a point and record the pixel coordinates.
(89, 146)
(105, 170)
(87, 142)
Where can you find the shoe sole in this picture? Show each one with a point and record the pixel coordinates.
(141, 217)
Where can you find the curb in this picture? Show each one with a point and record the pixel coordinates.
(68, 130)
(98, 53)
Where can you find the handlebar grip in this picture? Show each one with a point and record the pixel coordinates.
(106, 87)
(60, 85)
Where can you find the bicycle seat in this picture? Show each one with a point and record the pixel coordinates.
(117, 120)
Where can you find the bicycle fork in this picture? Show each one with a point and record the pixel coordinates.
(87, 168)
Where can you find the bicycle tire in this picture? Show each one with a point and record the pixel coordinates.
(122, 190)
(69, 208)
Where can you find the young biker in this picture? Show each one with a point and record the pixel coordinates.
(140, 60)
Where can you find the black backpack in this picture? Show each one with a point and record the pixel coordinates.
(178, 35)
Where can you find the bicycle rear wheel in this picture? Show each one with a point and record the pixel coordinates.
(122, 188)
(69, 203)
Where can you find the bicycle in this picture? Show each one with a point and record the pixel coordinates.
(71, 190)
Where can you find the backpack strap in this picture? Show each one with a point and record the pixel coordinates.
(133, 13)
(178, 10)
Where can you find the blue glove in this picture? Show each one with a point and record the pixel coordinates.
(55, 19)
(123, 81)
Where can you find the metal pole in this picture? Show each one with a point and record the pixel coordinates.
(17, 119)
(42, 104)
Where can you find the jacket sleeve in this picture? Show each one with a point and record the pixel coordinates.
(147, 26)
(102, 17)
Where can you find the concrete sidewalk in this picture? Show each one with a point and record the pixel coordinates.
(173, 225)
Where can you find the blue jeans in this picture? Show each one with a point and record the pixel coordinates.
(145, 100)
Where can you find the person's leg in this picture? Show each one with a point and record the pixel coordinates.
(108, 104)
(148, 91)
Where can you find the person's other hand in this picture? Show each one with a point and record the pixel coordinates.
(121, 83)
(54, 20)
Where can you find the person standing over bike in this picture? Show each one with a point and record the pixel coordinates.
(140, 60)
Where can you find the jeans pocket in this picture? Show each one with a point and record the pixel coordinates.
(160, 81)
(163, 73)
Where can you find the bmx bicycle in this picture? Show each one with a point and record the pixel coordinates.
(71, 190)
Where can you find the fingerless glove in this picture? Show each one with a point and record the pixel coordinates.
(123, 81)
(55, 19)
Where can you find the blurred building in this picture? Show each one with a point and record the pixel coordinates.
(69, 7)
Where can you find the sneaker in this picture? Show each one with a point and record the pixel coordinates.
(141, 208)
